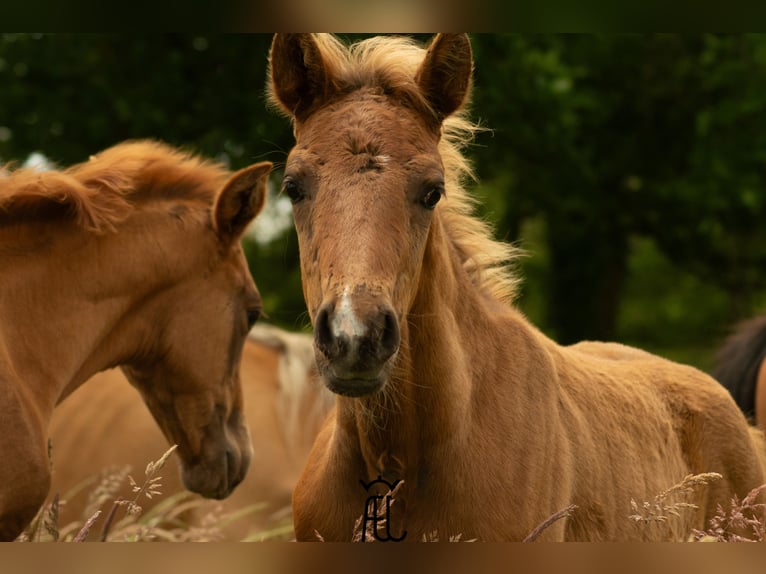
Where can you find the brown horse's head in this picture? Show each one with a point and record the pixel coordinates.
(365, 178)
(192, 330)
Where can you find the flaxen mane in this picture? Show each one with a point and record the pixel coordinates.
(101, 192)
(389, 64)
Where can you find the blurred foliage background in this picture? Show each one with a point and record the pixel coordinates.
(631, 168)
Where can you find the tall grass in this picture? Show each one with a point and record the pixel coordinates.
(108, 517)
(741, 521)
(111, 518)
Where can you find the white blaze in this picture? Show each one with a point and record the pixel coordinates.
(345, 320)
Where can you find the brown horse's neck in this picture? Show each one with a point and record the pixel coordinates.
(62, 301)
(425, 411)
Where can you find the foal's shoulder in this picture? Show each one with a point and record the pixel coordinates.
(638, 367)
(612, 351)
(621, 357)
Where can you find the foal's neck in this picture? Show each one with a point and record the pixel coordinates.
(425, 408)
(61, 306)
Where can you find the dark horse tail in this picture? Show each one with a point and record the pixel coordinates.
(738, 360)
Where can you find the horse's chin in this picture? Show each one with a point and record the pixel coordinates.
(354, 387)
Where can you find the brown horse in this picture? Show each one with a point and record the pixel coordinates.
(740, 366)
(441, 383)
(108, 427)
(131, 258)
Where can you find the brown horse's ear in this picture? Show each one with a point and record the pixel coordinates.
(444, 76)
(240, 200)
(298, 75)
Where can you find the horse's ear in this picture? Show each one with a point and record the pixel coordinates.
(298, 75)
(240, 200)
(444, 76)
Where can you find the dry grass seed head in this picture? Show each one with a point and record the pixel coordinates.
(661, 508)
(743, 516)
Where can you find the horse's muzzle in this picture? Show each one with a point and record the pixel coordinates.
(217, 478)
(354, 344)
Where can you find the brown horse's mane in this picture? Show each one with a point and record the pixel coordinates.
(389, 65)
(738, 360)
(99, 193)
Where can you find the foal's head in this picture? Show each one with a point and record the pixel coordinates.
(167, 241)
(188, 369)
(365, 178)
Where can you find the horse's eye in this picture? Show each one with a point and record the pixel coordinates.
(293, 190)
(432, 196)
(252, 316)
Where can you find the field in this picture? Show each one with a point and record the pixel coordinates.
(110, 519)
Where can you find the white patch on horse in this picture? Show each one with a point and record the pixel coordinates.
(345, 321)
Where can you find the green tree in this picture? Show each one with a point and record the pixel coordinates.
(709, 215)
(612, 136)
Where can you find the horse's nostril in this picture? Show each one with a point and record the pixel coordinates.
(390, 337)
(231, 468)
(230, 460)
(323, 336)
